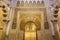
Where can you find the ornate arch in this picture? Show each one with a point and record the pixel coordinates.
(36, 22)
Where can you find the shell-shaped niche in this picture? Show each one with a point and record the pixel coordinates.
(38, 2)
(26, 3)
(30, 3)
(22, 3)
(18, 3)
(34, 3)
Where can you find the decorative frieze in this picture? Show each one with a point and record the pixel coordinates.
(14, 23)
(30, 3)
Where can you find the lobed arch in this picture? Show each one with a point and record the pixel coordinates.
(24, 22)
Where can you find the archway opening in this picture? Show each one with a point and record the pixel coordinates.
(30, 31)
